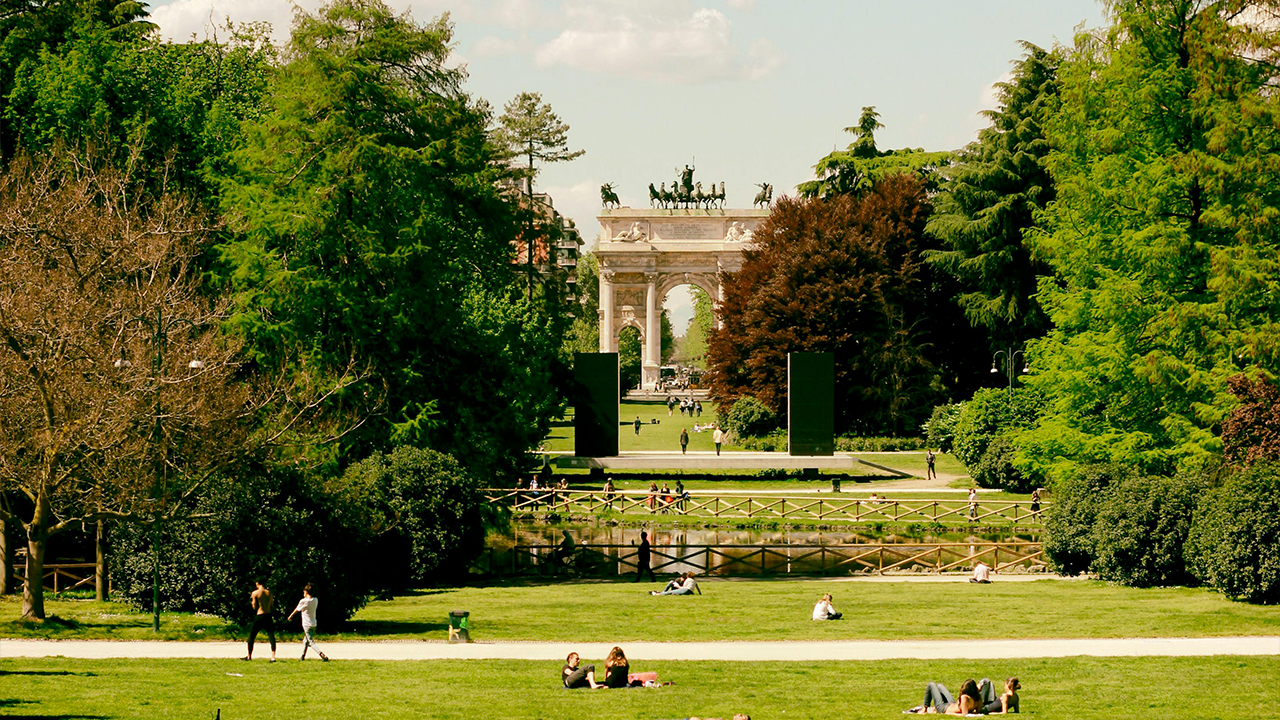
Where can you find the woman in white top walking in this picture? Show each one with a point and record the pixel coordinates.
(307, 606)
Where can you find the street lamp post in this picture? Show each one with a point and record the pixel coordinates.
(1009, 355)
(160, 328)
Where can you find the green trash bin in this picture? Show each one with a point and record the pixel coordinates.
(459, 626)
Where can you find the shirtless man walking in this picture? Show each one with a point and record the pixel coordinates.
(262, 601)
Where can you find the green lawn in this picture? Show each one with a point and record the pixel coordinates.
(1221, 688)
(663, 436)
(739, 610)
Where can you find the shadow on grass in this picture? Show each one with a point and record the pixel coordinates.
(394, 627)
(47, 672)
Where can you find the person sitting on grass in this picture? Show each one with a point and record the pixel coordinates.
(981, 574)
(687, 585)
(616, 669)
(823, 610)
(578, 677)
(938, 700)
(1006, 703)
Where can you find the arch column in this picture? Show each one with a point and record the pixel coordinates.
(652, 360)
(607, 335)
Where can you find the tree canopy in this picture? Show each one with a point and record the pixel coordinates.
(988, 201)
(372, 238)
(1162, 237)
(841, 275)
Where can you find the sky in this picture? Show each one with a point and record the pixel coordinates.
(747, 91)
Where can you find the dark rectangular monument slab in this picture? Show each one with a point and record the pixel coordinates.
(595, 404)
(811, 403)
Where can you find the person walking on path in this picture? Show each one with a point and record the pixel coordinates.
(637, 424)
(1035, 500)
(684, 440)
(307, 606)
(262, 602)
(717, 437)
(973, 504)
(930, 472)
(642, 559)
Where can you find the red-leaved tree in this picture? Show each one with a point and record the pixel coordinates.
(1251, 432)
(841, 275)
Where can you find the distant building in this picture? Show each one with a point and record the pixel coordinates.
(556, 245)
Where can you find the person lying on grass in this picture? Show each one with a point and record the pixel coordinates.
(578, 677)
(1006, 702)
(938, 700)
(687, 586)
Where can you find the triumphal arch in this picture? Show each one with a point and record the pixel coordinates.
(644, 253)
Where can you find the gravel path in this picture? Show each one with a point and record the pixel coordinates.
(748, 651)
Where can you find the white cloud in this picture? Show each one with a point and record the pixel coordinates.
(492, 45)
(181, 19)
(667, 40)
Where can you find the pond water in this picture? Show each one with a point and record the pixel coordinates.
(603, 549)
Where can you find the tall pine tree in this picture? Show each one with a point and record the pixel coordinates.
(989, 201)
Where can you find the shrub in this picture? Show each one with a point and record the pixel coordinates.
(1233, 542)
(996, 469)
(877, 444)
(1069, 519)
(432, 507)
(280, 526)
(990, 414)
(939, 429)
(1141, 529)
(775, 441)
(749, 417)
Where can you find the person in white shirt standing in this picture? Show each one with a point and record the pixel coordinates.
(717, 437)
(307, 606)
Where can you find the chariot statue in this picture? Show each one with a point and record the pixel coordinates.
(765, 196)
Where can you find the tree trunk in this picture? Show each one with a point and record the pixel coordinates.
(6, 560)
(33, 588)
(37, 541)
(100, 562)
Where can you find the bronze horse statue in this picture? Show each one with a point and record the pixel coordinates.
(608, 196)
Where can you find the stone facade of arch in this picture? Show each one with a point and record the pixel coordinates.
(643, 254)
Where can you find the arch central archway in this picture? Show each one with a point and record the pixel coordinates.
(645, 253)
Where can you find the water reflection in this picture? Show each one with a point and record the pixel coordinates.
(536, 548)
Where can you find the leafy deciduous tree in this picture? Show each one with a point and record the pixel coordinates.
(95, 422)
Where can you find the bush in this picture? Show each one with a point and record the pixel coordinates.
(877, 444)
(1142, 527)
(1233, 542)
(990, 414)
(1069, 519)
(775, 441)
(432, 507)
(996, 469)
(748, 417)
(939, 430)
(276, 525)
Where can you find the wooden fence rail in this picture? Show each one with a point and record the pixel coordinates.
(613, 560)
(60, 577)
(818, 507)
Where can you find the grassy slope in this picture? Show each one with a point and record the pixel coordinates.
(740, 610)
(1225, 688)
